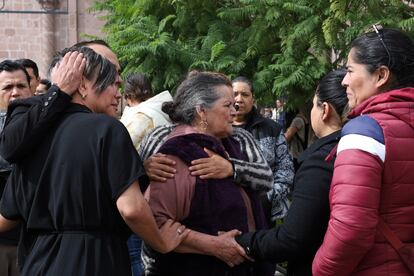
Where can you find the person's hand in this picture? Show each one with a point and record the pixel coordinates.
(228, 250)
(4, 100)
(212, 167)
(67, 74)
(159, 167)
(173, 233)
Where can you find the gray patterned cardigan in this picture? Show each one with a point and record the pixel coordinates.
(272, 144)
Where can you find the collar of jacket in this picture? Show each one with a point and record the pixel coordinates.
(253, 118)
(383, 101)
(335, 136)
(75, 107)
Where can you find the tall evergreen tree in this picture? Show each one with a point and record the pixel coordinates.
(284, 46)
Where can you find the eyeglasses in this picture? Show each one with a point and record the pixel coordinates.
(377, 28)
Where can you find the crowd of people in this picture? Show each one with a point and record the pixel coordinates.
(199, 182)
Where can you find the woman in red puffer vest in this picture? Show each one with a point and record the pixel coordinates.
(374, 170)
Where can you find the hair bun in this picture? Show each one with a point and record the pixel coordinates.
(169, 109)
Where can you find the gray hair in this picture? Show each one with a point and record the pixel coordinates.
(198, 90)
(97, 68)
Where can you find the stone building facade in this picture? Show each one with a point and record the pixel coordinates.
(27, 31)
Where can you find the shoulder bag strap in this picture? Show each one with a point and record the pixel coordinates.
(406, 254)
(389, 235)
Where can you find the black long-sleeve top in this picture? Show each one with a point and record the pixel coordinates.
(302, 232)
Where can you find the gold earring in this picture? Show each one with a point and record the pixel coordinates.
(83, 96)
(203, 125)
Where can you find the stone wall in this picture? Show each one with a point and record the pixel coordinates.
(26, 34)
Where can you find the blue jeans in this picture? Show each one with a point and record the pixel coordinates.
(134, 247)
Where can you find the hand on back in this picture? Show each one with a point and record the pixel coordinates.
(212, 167)
(159, 167)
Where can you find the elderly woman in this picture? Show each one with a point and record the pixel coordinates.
(78, 193)
(373, 183)
(301, 234)
(204, 108)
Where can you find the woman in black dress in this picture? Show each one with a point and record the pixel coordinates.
(78, 193)
(302, 232)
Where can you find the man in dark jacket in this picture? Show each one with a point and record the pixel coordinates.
(271, 140)
(14, 84)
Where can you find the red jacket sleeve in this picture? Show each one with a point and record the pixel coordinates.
(354, 201)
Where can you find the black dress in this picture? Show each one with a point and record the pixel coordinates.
(304, 227)
(65, 193)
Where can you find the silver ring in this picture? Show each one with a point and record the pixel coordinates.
(179, 231)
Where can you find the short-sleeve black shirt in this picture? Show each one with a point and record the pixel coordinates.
(65, 192)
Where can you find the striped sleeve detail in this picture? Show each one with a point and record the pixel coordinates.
(153, 140)
(365, 134)
(254, 173)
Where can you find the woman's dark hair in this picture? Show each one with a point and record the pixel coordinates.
(97, 69)
(137, 87)
(395, 51)
(199, 89)
(331, 91)
(245, 80)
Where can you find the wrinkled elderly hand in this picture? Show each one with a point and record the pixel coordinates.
(228, 250)
(212, 167)
(67, 74)
(159, 167)
(173, 233)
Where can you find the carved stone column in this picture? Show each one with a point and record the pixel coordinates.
(47, 45)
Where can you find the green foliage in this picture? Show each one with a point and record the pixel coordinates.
(284, 46)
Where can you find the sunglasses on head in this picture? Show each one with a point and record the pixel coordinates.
(376, 28)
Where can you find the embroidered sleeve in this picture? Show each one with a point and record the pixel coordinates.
(283, 178)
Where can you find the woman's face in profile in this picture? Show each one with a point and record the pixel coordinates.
(106, 102)
(220, 116)
(360, 84)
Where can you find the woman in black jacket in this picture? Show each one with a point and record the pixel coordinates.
(302, 232)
